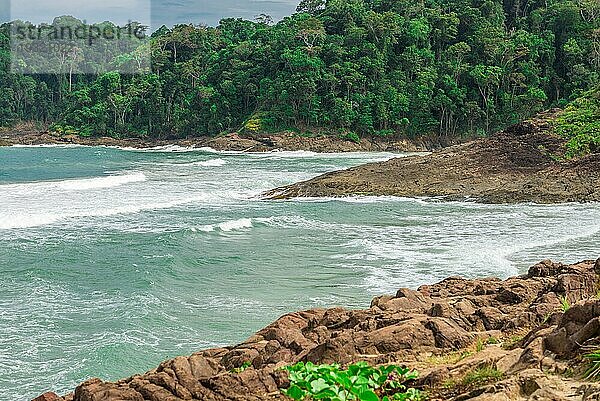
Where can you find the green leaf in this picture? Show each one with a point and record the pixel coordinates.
(318, 385)
(368, 395)
(295, 392)
(325, 394)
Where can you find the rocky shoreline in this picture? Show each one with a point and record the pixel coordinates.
(530, 330)
(524, 163)
(286, 141)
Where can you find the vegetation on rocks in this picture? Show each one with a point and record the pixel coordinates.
(408, 328)
(527, 162)
(359, 381)
(580, 124)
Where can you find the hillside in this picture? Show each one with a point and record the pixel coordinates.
(451, 68)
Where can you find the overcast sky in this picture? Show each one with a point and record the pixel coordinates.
(151, 12)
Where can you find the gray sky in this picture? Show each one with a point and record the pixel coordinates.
(150, 12)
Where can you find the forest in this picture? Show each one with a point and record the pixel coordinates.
(450, 68)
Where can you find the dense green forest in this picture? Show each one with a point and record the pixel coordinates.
(379, 67)
(580, 124)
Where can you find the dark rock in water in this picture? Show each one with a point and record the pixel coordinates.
(435, 321)
(522, 164)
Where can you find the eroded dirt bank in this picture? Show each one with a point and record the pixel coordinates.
(522, 164)
(447, 331)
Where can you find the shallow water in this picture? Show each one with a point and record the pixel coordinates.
(113, 260)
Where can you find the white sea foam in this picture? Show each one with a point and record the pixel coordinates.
(365, 199)
(211, 163)
(28, 220)
(204, 163)
(227, 226)
(161, 149)
(235, 224)
(78, 184)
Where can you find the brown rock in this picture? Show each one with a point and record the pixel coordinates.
(437, 319)
(503, 168)
(49, 396)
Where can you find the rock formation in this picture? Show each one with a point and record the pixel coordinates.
(522, 164)
(516, 327)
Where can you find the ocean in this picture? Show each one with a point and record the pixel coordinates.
(112, 260)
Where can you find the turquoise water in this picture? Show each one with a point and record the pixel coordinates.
(114, 260)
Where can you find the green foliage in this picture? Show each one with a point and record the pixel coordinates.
(492, 340)
(359, 382)
(452, 67)
(481, 375)
(253, 125)
(593, 372)
(242, 368)
(352, 137)
(565, 305)
(513, 341)
(580, 122)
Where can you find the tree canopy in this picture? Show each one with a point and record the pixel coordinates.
(379, 67)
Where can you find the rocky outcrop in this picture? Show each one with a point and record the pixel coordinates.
(287, 141)
(444, 330)
(522, 164)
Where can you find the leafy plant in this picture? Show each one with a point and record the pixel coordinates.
(359, 382)
(244, 366)
(512, 341)
(565, 305)
(580, 122)
(492, 340)
(352, 137)
(449, 358)
(593, 372)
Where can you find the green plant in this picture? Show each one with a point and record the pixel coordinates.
(512, 341)
(492, 340)
(580, 123)
(448, 358)
(359, 382)
(384, 132)
(565, 305)
(351, 136)
(244, 366)
(593, 372)
(481, 375)
(480, 345)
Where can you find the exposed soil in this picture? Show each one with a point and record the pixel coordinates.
(524, 163)
(447, 330)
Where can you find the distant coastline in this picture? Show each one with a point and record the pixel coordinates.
(285, 141)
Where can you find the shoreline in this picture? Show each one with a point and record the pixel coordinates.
(524, 163)
(232, 142)
(518, 328)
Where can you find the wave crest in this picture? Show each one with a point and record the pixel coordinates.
(227, 226)
(79, 184)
